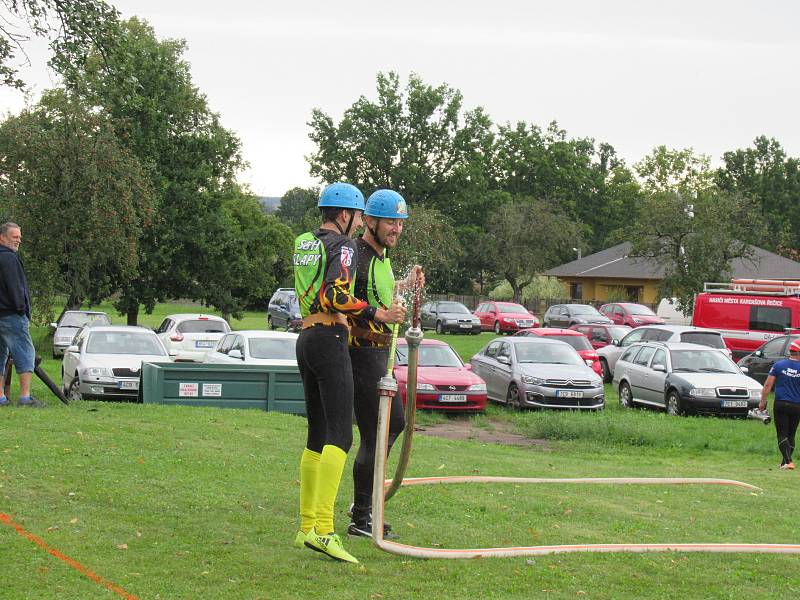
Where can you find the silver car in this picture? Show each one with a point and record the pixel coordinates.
(684, 378)
(255, 347)
(104, 362)
(657, 333)
(69, 324)
(526, 372)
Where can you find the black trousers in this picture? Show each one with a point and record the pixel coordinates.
(369, 365)
(324, 364)
(787, 417)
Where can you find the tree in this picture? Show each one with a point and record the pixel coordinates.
(694, 246)
(678, 171)
(74, 28)
(525, 237)
(81, 197)
(190, 157)
(295, 206)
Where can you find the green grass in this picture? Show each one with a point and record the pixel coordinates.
(176, 502)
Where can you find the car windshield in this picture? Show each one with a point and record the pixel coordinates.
(583, 309)
(579, 342)
(81, 319)
(203, 326)
(510, 307)
(430, 355)
(702, 361)
(123, 342)
(712, 340)
(453, 307)
(282, 348)
(294, 306)
(547, 353)
(617, 333)
(638, 309)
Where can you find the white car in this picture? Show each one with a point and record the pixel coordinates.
(192, 336)
(69, 324)
(255, 348)
(104, 362)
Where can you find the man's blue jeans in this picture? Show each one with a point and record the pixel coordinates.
(15, 338)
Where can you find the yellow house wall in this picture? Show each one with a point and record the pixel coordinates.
(598, 288)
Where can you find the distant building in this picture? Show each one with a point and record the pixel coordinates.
(612, 274)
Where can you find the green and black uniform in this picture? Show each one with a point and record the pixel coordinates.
(369, 354)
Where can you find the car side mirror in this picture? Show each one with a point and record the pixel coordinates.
(236, 354)
(744, 370)
(660, 368)
(468, 367)
(615, 342)
(73, 349)
(759, 353)
(504, 359)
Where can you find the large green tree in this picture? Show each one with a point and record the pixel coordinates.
(298, 209)
(73, 27)
(81, 197)
(145, 86)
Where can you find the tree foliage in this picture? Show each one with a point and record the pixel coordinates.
(81, 197)
(74, 28)
(296, 204)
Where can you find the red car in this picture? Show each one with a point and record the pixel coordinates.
(444, 382)
(630, 314)
(574, 338)
(504, 317)
(602, 335)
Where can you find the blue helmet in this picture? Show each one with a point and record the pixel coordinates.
(386, 204)
(341, 195)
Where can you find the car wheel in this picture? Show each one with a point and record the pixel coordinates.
(607, 377)
(439, 328)
(270, 324)
(513, 398)
(625, 395)
(497, 327)
(74, 392)
(674, 404)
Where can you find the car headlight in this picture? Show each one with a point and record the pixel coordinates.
(755, 394)
(703, 393)
(477, 387)
(532, 380)
(96, 372)
(451, 321)
(425, 387)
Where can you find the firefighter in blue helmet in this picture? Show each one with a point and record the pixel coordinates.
(324, 264)
(370, 341)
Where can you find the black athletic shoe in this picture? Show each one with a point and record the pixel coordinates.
(387, 528)
(364, 529)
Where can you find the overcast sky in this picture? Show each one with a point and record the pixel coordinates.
(710, 75)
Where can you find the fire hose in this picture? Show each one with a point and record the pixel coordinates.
(384, 489)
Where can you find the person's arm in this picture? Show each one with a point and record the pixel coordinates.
(765, 391)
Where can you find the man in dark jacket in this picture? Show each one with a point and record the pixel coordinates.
(15, 314)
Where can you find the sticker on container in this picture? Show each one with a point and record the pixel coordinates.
(212, 389)
(187, 389)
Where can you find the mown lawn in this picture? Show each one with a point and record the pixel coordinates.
(173, 502)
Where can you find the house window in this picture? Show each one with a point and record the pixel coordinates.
(576, 291)
(634, 293)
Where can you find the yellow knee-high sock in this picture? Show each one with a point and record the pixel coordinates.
(331, 465)
(309, 470)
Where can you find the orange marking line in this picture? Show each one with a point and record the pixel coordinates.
(6, 520)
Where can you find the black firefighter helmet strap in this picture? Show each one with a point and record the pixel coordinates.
(349, 223)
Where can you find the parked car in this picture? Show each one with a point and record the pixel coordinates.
(254, 347)
(668, 310)
(444, 382)
(759, 363)
(602, 335)
(504, 317)
(658, 333)
(284, 310)
(103, 363)
(684, 378)
(574, 338)
(69, 324)
(526, 372)
(630, 314)
(447, 316)
(192, 335)
(567, 315)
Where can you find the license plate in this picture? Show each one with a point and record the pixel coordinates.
(568, 394)
(465, 326)
(205, 344)
(453, 398)
(128, 385)
(734, 404)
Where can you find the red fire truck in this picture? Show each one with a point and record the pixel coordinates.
(749, 311)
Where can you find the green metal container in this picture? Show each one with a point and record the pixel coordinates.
(270, 388)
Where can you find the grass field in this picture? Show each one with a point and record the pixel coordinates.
(173, 502)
